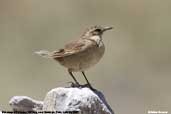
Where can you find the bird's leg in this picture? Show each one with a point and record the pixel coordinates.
(76, 82)
(87, 81)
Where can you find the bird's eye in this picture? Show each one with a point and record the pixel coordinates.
(98, 30)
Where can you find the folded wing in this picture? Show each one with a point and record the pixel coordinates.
(73, 48)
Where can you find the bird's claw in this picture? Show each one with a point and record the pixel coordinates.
(74, 84)
(77, 85)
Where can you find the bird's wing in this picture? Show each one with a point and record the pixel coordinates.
(73, 48)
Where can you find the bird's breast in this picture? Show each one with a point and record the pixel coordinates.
(84, 60)
(91, 57)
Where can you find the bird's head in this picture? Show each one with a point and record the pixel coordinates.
(96, 31)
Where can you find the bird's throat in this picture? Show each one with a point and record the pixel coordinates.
(96, 38)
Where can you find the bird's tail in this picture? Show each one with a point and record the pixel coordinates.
(44, 53)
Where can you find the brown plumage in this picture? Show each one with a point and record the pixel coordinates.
(80, 54)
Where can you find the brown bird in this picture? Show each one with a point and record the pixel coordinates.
(81, 54)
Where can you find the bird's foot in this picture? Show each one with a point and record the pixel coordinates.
(89, 86)
(83, 86)
(77, 85)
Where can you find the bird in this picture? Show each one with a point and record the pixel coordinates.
(80, 54)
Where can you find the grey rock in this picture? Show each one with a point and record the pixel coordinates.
(83, 100)
(24, 103)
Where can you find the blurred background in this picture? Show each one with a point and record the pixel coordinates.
(135, 72)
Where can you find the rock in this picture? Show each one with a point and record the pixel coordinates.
(24, 103)
(83, 100)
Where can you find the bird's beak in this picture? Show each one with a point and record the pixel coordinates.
(107, 28)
